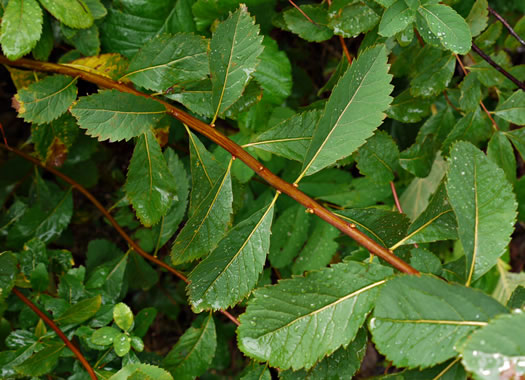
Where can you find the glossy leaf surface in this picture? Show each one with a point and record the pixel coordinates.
(73, 13)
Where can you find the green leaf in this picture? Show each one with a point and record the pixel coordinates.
(353, 19)
(121, 344)
(113, 115)
(484, 204)
(500, 151)
(300, 25)
(378, 158)
(289, 234)
(73, 13)
(256, 371)
(231, 271)
(207, 225)
(496, 350)
(8, 271)
(62, 132)
(21, 27)
(45, 100)
(194, 351)
(517, 137)
(143, 321)
(437, 222)
(39, 278)
(291, 137)
(396, 18)
(123, 316)
(470, 92)
(143, 371)
(80, 312)
(513, 109)
(425, 261)
(137, 344)
(44, 46)
(447, 26)
(195, 96)
(408, 109)
(150, 186)
(507, 283)
(140, 273)
(234, 49)
(517, 299)
(42, 362)
(98, 10)
(474, 127)
(477, 18)
(355, 109)
(301, 320)
(169, 60)
(409, 309)
(86, 41)
(341, 365)
(274, 72)
(433, 74)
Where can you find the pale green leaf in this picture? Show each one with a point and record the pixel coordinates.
(104, 336)
(355, 109)
(396, 18)
(113, 115)
(353, 19)
(73, 13)
(447, 26)
(410, 309)
(500, 151)
(477, 18)
(194, 351)
(41, 362)
(497, 351)
(123, 316)
(513, 109)
(150, 186)
(234, 49)
(300, 25)
(21, 27)
(207, 225)
(378, 158)
(231, 271)
(142, 371)
(81, 311)
(169, 60)
(122, 344)
(508, 282)
(299, 321)
(291, 137)
(45, 100)
(484, 204)
(98, 10)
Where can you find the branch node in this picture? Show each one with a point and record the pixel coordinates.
(310, 210)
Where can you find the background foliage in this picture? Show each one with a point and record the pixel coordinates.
(349, 101)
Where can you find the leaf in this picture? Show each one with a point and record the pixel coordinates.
(300, 25)
(150, 186)
(113, 115)
(195, 96)
(98, 10)
(500, 151)
(274, 72)
(517, 299)
(45, 44)
(194, 351)
(378, 158)
(144, 371)
(143, 321)
(80, 312)
(360, 98)
(409, 309)
(104, 336)
(207, 225)
(140, 273)
(474, 127)
(121, 344)
(231, 270)
(8, 271)
(396, 18)
(513, 109)
(62, 132)
(234, 49)
(425, 261)
(408, 109)
(301, 320)
(86, 41)
(484, 204)
(21, 27)
(168, 60)
(291, 137)
(45, 100)
(341, 365)
(470, 92)
(434, 76)
(123, 316)
(256, 372)
(508, 282)
(477, 18)
(73, 13)
(42, 362)
(495, 351)
(109, 65)
(353, 19)
(449, 27)
(517, 137)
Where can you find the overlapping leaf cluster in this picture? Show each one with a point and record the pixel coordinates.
(401, 114)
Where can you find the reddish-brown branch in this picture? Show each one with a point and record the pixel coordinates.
(506, 25)
(345, 49)
(108, 216)
(396, 201)
(235, 150)
(59, 332)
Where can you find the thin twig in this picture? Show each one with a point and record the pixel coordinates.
(506, 25)
(396, 201)
(59, 332)
(235, 150)
(302, 12)
(345, 49)
(111, 220)
(489, 60)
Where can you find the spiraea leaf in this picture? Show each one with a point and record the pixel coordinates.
(169, 60)
(109, 65)
(73, 13)
(299, 321)
(234, 49)
(300, 25)
(142, 371)
(513, 109)
(396, 18)
(355, 109)
(113, 115)
(45, 100)
(21, 27)
(150, 186)
(484, 204)
(379, 158)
